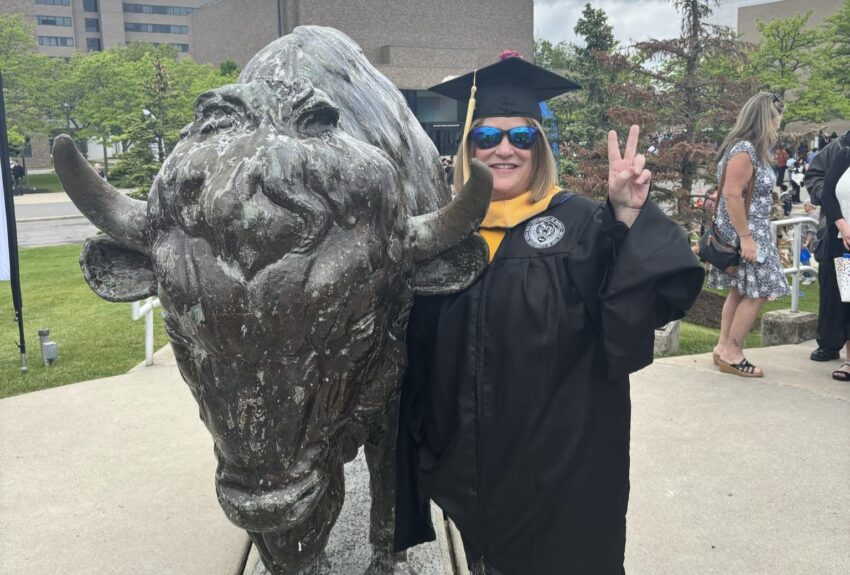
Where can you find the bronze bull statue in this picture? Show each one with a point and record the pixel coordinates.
(285, 236)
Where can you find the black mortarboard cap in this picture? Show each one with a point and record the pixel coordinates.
(511, 87)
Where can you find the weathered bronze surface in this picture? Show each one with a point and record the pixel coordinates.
(285, 236)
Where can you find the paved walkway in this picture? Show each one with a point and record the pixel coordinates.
(729, 476)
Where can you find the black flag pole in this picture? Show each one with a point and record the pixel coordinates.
(11, 229)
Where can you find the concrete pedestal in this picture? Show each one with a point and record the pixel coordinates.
(667, 339)
(783, 327)
(348, 551)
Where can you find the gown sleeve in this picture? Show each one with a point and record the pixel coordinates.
(413, 524)
(653, 278)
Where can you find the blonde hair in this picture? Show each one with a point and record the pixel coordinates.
(755, 124)
(544, 172)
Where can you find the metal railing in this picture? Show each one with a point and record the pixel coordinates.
(146, 309)
(796, 242)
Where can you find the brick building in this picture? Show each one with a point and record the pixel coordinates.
(64, 26)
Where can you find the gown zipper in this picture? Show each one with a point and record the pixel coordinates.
(479, 399)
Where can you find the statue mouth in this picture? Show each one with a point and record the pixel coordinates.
(271, 509)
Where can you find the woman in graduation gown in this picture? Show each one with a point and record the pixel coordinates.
(515, 409)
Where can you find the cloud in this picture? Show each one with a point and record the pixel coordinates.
(554, 20)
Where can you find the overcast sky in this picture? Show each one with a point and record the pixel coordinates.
(633, 20)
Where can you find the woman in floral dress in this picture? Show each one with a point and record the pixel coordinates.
(746, 154)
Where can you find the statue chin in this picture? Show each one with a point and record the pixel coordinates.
(298, 550)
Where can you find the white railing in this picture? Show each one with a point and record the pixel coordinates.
(146, 309)
(796, 242)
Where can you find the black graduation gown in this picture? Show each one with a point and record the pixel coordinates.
(515, 409)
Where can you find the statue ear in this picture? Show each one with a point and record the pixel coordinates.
(453, 270)
(117, 273)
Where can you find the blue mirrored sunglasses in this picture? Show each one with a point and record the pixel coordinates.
(486, 137)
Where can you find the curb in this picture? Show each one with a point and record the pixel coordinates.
(49, 218)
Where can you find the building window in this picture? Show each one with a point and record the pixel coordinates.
(92, 25)
(179, 47)
(53, 20)
(54, 2)
(90, 5)
(156, 9)
(93, 45)
(55, 41)
(155, 28)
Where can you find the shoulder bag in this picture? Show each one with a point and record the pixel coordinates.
(720, 252)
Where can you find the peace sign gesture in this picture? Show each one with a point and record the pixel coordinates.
(628, 181)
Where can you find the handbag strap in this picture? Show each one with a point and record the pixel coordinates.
(750, 187)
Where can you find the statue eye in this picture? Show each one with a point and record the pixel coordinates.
(217, 119)
(317, 116)
(219, 109)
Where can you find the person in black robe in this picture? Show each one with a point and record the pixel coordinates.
(823, 179)
(515, 410)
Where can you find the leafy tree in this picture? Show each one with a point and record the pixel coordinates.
(785, 56)
(165, 90)
(27, 77)
(601, 71)
(559, 56)
(825, 94)
(104, 89)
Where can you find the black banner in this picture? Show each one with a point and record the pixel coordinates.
(9, 241)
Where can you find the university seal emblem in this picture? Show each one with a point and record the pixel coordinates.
(544, 232)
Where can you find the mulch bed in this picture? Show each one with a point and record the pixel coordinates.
(707, 310)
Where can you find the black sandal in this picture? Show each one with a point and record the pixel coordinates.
(841, 375)
(743, 368)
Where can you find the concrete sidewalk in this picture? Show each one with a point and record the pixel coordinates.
(729, 476)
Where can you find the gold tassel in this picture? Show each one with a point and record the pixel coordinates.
(470, 108)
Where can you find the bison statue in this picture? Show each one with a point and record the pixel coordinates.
(285, 235)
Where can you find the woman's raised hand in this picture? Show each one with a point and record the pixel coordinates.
(628, 180)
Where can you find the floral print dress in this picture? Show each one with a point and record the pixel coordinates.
(753, 280)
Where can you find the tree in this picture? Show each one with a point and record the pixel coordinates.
(596, 71)
(551, 56)
(825, 94)
(27, 77)
(104, 89)
(785, 56)
(698, 88)
(165, 89)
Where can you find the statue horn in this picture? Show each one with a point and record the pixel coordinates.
(119, 216)
(433, 233)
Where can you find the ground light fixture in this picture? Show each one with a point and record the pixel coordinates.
(49, 351)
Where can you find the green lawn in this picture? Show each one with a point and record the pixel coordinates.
(45, 182)
(95, 338)
(698, 339)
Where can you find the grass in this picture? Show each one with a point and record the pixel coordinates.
(45, 182)
(95, 338)
(698, 339)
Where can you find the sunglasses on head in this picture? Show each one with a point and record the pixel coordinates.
(486, 137)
